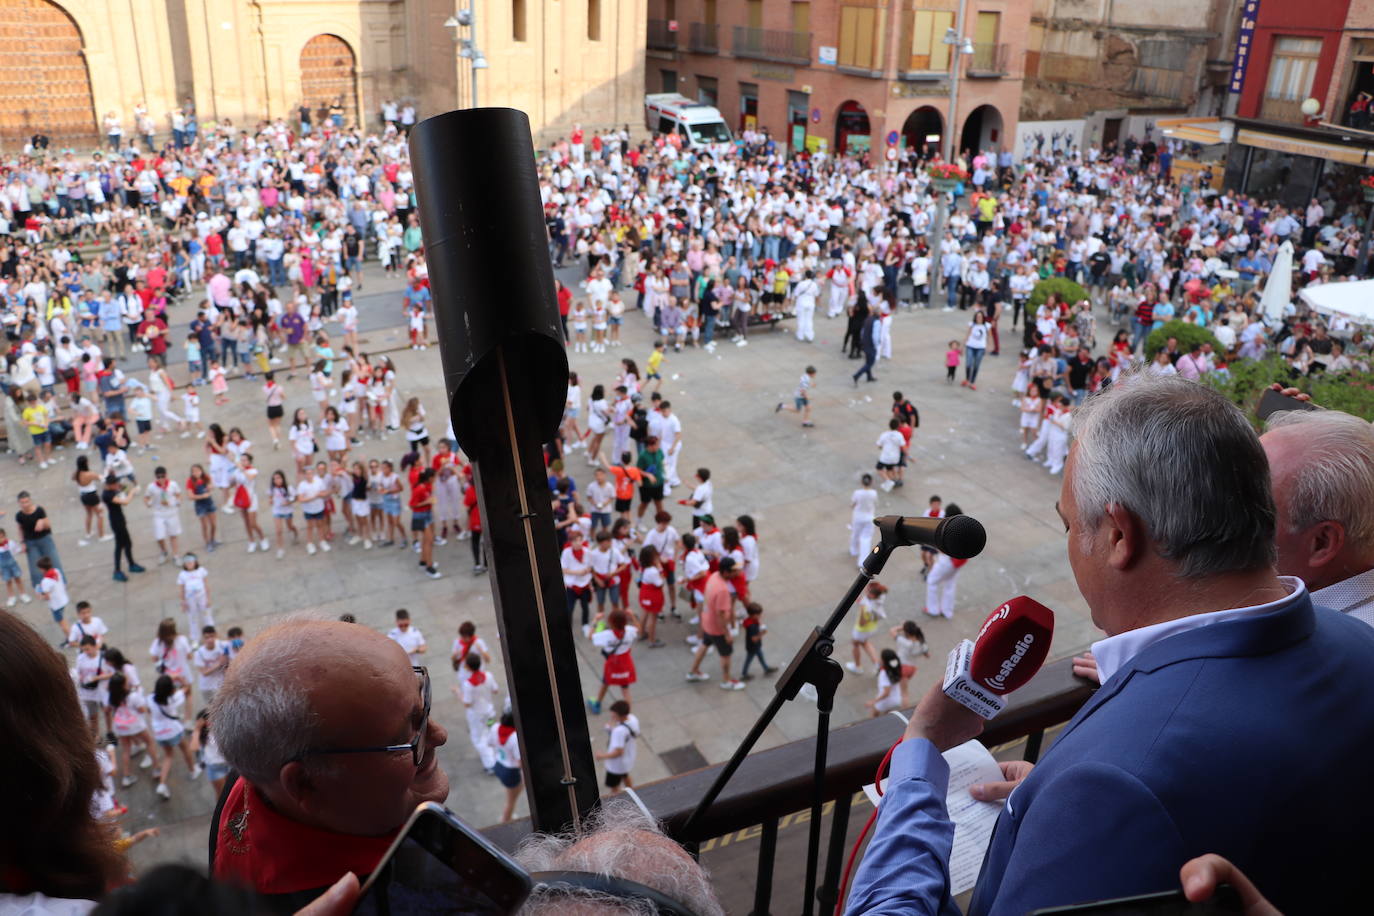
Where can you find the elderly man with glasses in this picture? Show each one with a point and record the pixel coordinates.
(326, 725)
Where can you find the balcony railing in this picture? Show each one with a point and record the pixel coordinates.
(1160, 83)
(774, 783)
(989, 61)
(1282, 110)
(772, 44)
(703, 38)
(660, 38)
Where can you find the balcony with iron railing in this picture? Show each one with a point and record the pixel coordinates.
(775, 783)
(779, 45)
(661, 37)
(1290, 110)
(989, 61)
(703, 38)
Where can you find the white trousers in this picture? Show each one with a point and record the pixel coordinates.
(477, 733)
(806, 323)
(940, 583)
(198, 614)
(839, 298)
(860, 537)
(1042, 439)
(1057, 449)
(670, 469)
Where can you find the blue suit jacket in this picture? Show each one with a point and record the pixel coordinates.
(1246, 738)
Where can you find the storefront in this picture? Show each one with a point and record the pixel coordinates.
(1293, 164)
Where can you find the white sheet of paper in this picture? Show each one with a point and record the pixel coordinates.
(969, 763)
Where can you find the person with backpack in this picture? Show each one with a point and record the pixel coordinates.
(623, 735)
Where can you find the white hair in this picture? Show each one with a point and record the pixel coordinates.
(1186, 462)
(261, 716)
(1334, 481)
(612, 844)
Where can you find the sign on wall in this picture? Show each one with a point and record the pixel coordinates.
(827, 55)
(1245, 41)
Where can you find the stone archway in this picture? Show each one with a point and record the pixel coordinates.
(852, 128)
(982, 131)
(329, 77)
(923, 129)
(44, 66)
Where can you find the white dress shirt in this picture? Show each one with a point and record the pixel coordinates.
(1353, 596)
(1114, 652)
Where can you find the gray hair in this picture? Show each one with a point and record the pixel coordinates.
(1185, 461)
(1335, 479)
(612, 844)
(261, 716)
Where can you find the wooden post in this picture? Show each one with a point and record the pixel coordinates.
(505, 373)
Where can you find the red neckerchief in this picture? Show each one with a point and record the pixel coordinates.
(467, 645)
(577, 553)
(478, 677)
(259, 848)
(503, 732)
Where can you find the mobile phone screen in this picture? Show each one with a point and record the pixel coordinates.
(438, 867)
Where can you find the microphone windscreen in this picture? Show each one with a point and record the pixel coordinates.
(962, 537)
(1012, 645)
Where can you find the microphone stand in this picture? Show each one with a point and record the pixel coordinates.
(812, 665)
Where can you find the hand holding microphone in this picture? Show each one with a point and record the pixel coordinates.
(1009, 649)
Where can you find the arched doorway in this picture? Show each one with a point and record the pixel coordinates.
(923, 130)
(328, 78)
(50, 88)
(982, 130)
(852, 128)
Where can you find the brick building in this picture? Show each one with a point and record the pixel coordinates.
(845, 74)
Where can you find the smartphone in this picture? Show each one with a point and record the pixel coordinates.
(439, 865)
(1168, 903)
(1272, 402)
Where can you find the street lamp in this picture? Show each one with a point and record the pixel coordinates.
(958, 47)
(467, 47)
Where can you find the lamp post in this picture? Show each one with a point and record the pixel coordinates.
(467, 47)
(959, 47)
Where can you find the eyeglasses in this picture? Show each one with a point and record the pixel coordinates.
(417, 745)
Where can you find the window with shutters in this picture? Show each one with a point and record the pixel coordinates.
(856, 47)
(593, 20)
(928, 49)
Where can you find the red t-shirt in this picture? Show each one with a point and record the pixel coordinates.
(419, 496)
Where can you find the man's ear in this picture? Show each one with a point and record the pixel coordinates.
(1125, 536)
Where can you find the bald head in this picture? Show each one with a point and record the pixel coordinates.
(304, 688)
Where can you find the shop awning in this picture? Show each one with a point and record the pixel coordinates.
(1301, 146)
(1207, 131)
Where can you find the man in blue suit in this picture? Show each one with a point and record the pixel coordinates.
(1229, 709)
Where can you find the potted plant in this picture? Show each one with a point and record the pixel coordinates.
(945, 176)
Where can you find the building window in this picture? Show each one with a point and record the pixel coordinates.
(801, 16)
(708, 90)
(856, 37)
(1292, 69)
(754, 10)
(669, 78)
(709, 13)
(517, 20)
(593, 20)
(928, 49)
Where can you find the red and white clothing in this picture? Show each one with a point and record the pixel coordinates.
(577, 570)
(478, 691)
(619, 668)
(695, 570)
(651, 590)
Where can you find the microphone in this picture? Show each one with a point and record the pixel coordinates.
(1009, 649)
(958, 536)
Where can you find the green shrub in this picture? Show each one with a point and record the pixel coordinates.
(1187, 334)
(1351, 392)
(1068, 291)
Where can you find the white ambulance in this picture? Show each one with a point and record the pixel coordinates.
(696, 124)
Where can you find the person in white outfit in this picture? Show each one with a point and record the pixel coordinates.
(478, 690)
(885, 330)
(1057, 442)
(804, 295)
(864, 502)
(943, 578)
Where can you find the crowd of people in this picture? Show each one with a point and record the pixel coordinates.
(228, 261)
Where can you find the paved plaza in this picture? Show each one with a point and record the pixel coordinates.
(794, 482)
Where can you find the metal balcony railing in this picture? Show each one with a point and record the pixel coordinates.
(703, 38)
(1272, 109)
(660, 38)
(772, 44)
(988, 60)
(774, 783)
